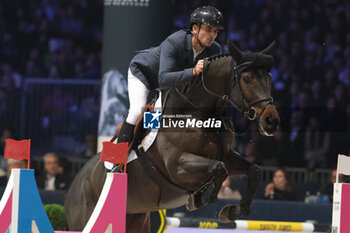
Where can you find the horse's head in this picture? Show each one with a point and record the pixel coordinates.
(251, 87)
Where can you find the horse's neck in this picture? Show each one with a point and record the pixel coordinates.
(216, 78)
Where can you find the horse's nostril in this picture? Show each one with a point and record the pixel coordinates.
(272, 122)
(268, 121)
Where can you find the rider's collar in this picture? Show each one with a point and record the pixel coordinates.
(195, 54)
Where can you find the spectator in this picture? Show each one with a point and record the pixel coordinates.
(10, 80)
(64, 166)
(296, 140)
(317, 143)
(327, 189)
(281, 187)
(52, 179)
(6, 134)
(317, 97)
(11, 164)
(90, 147)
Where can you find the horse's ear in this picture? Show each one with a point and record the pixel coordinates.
(234, 51)
(269, 48)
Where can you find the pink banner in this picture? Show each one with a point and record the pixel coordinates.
(5, 214)
(345, 209)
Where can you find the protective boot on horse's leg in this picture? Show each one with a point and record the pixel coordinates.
(208, 192)
(254, 176)
(201, 175)
(237, 165)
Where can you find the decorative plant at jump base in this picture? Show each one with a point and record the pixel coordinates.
(56, 215)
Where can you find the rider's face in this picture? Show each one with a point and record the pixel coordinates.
(206, 34)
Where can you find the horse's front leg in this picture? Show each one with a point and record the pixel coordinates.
(137, 223)
(203, 177)
(237, 165)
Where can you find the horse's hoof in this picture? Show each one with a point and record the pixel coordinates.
(229, 213)
(190, 205)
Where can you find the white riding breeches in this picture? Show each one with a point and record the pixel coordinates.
(138, 94)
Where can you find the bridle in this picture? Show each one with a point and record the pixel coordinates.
(248, 109)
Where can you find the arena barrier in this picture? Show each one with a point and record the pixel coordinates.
(341, 198)
(21, 209)
(246, 225)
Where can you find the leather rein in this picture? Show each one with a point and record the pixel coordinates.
(248, 109)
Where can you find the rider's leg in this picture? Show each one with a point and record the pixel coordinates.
(138, 93)
(126, 133)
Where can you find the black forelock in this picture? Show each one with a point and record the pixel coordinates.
(259, 60)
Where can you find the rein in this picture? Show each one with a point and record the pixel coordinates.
(248, 109)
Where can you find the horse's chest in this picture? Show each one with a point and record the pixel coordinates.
(208, 146)
(211, 149)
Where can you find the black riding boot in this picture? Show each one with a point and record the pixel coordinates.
(126, 134)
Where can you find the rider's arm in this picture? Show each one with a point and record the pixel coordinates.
(169, 75)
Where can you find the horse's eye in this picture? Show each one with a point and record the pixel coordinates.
(246, 79)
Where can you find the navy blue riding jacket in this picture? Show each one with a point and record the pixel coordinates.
(170, 63)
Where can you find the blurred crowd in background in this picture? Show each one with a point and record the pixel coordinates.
(51, 39)
(62, 39)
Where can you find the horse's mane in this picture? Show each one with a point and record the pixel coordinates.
(196, 82)
(214, 57)
(217, 59)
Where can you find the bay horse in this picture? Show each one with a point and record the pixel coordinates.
(188, 165)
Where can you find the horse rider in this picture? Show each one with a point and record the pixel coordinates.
(177, 60)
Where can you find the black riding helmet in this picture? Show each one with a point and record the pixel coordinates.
(207, 15)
